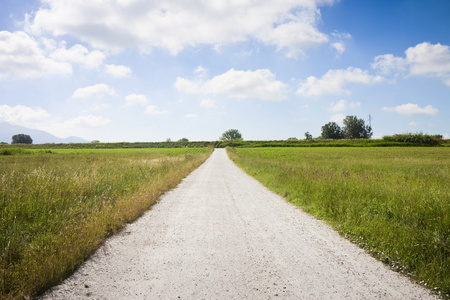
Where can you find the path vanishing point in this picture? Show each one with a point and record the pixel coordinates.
(222, 235)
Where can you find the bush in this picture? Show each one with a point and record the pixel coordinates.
(416, 138)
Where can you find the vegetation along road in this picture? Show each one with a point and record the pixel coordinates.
(222, 235)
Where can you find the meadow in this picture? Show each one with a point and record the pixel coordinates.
(58, 206)
(393, 202)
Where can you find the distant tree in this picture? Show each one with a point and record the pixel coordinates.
(231, 134)
(331, 130)
(355, 128)
(292, 139)
(21, 139)
(308, 136)
(168, 140)
(183, 140)
(95, 142)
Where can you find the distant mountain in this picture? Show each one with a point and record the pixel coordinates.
(39, 137)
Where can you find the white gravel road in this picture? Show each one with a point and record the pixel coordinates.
(222, 235)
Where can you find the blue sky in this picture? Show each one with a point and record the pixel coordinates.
(138, 70)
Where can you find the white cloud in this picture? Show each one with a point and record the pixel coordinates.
(259, 84)
(153, 110)
(290, 25)
(413, 124)
(80, 55)
(22, 115)
(339, 106)
(38, 118)
(339, 47)
(341, 35)
(135, 99)
(22, 57)
(422, 59)
(118, 71)
(191, 116)
(426, 58)
(338, 118)
(294, 35)
(334, 82)
(339, 38)
(97, 90)
(388, 62)
(412, 109)
(87, 121)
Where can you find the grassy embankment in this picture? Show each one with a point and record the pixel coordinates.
(58, 206)
(393, 202)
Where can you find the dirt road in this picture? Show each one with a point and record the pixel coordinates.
(222, 235)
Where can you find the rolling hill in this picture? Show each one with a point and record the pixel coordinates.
(39, 137)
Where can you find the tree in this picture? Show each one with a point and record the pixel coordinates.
(331, 130)
(355, 128)
(21, 139)
(183, 140)
(231, 134)
(308, 136)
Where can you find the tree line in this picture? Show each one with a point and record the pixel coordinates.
(353, 128)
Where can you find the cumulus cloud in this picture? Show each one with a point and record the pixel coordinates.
(387, 63)
(259, 84)
(135, 99)
(22, 57)
(422, 59)
(22, 115)
(153, 110)
(412, 109)
(80, 55)
(289, 25)
(118, 71)
(334, 82)
(97, 90)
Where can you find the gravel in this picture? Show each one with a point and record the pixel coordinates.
(222, 235)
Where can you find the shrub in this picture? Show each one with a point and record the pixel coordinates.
(417, 138)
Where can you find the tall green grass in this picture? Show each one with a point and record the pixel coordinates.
(57, 208)
(393, 202)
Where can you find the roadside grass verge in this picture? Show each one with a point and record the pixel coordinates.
(393, 202)
(57, 208)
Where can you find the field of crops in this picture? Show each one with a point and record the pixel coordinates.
(58, 206)
(394, 202)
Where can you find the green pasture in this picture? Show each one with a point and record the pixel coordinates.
(393, 202)
(57, 206)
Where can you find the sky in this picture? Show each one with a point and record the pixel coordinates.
(144, 71)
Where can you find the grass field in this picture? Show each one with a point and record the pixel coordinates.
(393, 202)
(58, 206)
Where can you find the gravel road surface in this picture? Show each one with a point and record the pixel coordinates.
(222, 235)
